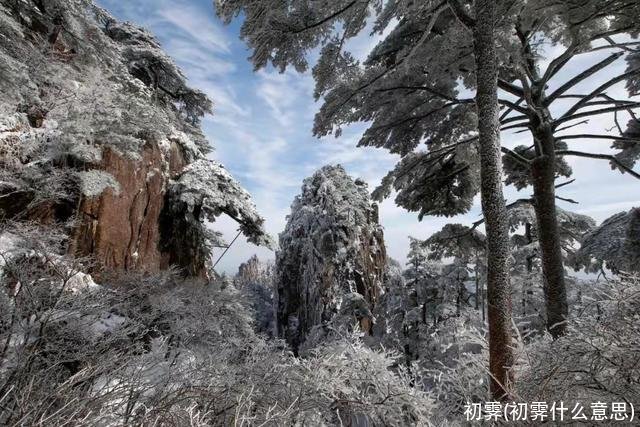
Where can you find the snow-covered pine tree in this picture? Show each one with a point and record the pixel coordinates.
(468, 246)
(580, 28)
(392, 88)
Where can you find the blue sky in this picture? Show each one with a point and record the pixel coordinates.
(261, 129)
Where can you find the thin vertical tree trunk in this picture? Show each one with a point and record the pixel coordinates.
(501, 355)
(525, 289)
(476, 272)
(544, 193)
(543, 170)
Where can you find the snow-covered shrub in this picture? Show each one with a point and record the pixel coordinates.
(153, 349)
(458, 370)
(597, 360)
(341, 382)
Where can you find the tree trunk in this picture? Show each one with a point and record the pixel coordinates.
(476, 273)
(544, 193)
(525, 288)
(493, 204)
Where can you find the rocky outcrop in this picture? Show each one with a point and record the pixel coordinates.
(332, 248)
(254, 271)
(615, 244)
(255, 282)
(100, 132)
(119, 227)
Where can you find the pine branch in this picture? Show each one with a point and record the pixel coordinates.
(516, 126)
(566, 118)
(609, 157)
(517, 157)
(567, 200)
(414, 88)
(461, 13)
(622, 46)
(513, 106)
(558, 63)
(509, 110)
(598, 91)
(514, 119)
(571, 181)
(582, 76)
(511, 88)
(427, 32)
(583, 122)
(596, 136)
(325, 19)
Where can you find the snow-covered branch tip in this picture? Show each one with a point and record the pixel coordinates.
(207, 185)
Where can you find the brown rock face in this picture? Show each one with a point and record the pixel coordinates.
(120, 228)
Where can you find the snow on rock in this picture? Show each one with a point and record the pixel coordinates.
(332, 247)
(80, 282)
(94, 182)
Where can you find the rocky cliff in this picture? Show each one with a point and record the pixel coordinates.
(99, 131)
(331, 253)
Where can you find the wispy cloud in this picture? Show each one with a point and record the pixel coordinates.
(198, 26)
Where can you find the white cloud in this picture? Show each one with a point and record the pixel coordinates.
(197, 25)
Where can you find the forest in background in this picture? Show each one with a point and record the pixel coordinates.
(112, 312)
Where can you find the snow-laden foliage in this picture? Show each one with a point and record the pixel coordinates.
(147, 62)
(597, 359)
(155, 350)
(207, 190)
(633, 83)
(614, 244)
(523, 226)
(424, 182)
(85, 71)
(408, 87)
(629, 145)
(518, 172)
(332, 245)
(202, 192)
(456, 240)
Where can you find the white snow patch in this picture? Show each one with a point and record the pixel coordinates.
(94, 182)
(81, 282)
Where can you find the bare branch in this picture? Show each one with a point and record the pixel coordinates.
(596, 92)
(567, 200)
(609, 157)
(461, 13)
(595, 136)
(571, 181)
(511, 88)
(566, 118)
(582, 76)
(559, 62)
